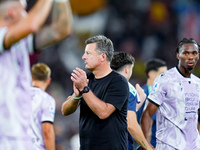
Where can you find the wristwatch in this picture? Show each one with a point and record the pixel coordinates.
(85, 90)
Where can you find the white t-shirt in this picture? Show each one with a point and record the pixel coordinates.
(178, 98)
(43, 110)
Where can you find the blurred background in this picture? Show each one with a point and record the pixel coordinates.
(143, 28)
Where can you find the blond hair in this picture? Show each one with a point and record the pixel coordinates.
(40, 72)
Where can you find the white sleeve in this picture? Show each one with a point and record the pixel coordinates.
(2, 35)
(48, 109)
(29, 41)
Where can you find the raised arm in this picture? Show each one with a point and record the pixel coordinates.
(30, 23)
(59, 28)
(146, 119)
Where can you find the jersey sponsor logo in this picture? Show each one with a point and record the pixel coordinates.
(191, 102)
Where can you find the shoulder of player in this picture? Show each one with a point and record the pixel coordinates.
(194, 77)
(168, 74)
(42, 93)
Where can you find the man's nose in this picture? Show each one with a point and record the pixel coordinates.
(83, 57)
(191, 56)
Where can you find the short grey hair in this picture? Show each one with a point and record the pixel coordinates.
(104, 45)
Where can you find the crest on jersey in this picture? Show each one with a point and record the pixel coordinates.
(162, 74)
(51, 110)
(155, 86)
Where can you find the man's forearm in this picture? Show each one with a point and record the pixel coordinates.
(40, 11)
(61, 14)
(59, 27)
(49, 136)
(145, 125)
(50, 142)
(69, 106)
(135, 130)
(139, 137)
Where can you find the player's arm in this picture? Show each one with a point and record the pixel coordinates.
(70, 105)
(136, 131)
(49, 135)
(114, 98)
(30, 24)
(102, 109)
(146, 118)
(59, 28)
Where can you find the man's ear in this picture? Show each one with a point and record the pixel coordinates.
(126, 69)
(151, 74)
(177, 56)
(48, 81)
(103, 57)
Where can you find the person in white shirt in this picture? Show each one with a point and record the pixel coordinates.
(22, 33)
(43, 109)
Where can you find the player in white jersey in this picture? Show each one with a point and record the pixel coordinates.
(20, 34)
(43, 109)
(176, 96)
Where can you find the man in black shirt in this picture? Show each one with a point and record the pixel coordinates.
(103, 98)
